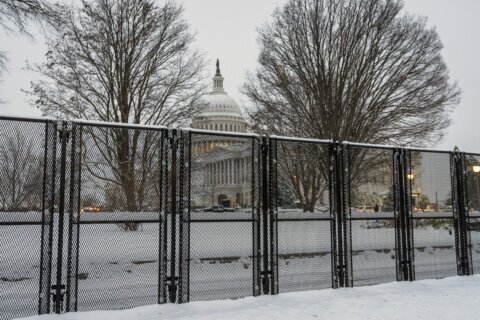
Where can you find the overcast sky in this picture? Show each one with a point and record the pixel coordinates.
(226, 29)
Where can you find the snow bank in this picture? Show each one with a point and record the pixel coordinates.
(450, 298)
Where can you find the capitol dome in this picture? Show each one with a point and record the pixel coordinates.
(222, 113)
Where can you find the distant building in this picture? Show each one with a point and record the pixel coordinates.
(221, 166)
(432, 177)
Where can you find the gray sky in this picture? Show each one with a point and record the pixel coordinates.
(226, 29)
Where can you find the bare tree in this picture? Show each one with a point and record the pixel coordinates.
(356, 70)
(302, 168)
(16, 14)
(125, 61)
(21, 172)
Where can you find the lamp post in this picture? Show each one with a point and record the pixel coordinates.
(476, 170)
(411, 178)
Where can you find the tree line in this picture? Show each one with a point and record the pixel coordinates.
(357, 70)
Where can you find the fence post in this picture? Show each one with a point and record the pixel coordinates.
(332, 164)
(340, 213)
(184, 217)
(173, 279)
(163, 217)
(265, 273)
(460, 213)
(58, 287)
(48, 202)
(409, 215)
(268, 208)
(256, 214)
(74, 218)
(347, 222)
(403, 223)
(399, 246)
(273, 214)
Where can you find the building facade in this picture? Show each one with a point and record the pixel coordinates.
(221, 165)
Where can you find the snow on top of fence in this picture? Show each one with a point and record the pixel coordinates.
(428, 150)
(118, 124)
(24, 118)
(369, 145)
(386, 146)
(285, 138)
(472, 153)
(220, 133)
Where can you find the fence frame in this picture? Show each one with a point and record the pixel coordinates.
(461, 217)
(176, 162)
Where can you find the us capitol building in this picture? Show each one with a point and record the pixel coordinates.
(221, 165)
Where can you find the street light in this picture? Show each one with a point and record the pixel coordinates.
(476, 169)
(411, 176)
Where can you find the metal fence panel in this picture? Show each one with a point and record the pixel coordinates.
(154, 215)
(475, 236)
(119, 218)
(223, 210)
(472, 169)
(372, 211)
(304, 245)
(433, 224)
(27, 162)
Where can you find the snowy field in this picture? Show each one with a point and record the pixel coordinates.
(446, 299)
(119, 270)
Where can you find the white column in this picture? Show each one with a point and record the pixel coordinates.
(235, 171)
(230, 171)
(222, 166)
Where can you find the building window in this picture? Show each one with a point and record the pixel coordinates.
(216, 127)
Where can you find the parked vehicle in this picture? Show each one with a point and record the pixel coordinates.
(373, 225)
(219, 208)
(475, 224)
(214, 209)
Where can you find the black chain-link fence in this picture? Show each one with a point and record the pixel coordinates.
(119, 219)
(27, 203)
(472, 182)
(223, 258)
(111, 216)
(304, 224)
(433, 214)
(372, 215)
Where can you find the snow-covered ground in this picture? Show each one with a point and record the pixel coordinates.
(450, 298)
(120, 269)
